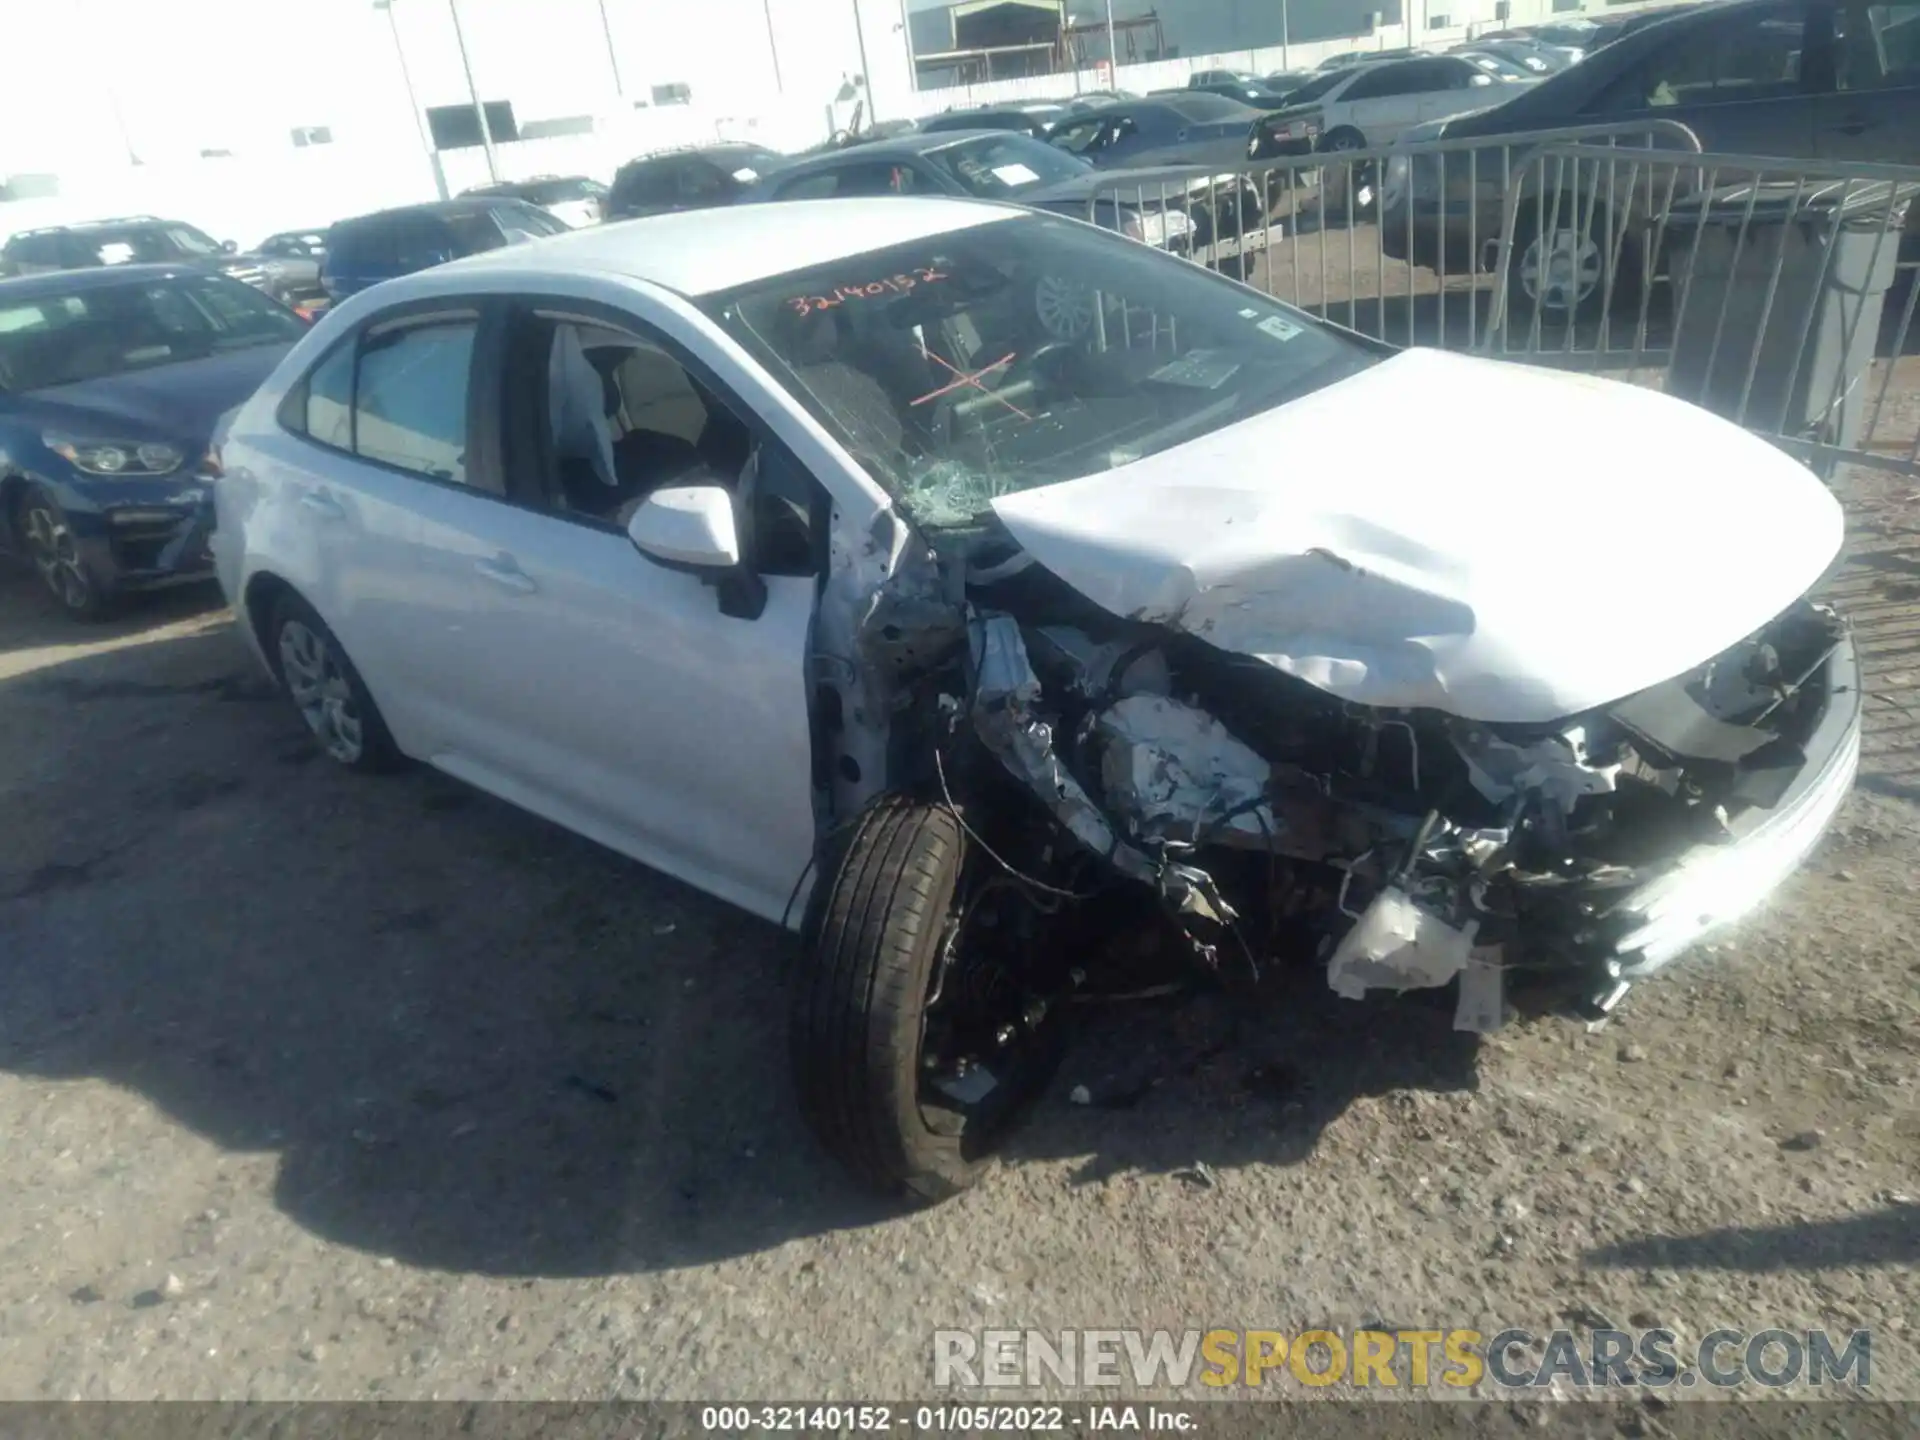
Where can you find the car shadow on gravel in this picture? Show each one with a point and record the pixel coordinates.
(475, 1042)
(1882, 1237)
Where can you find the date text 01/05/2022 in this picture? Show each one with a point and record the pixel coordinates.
(938, 1419)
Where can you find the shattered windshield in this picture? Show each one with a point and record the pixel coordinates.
(1024, 352)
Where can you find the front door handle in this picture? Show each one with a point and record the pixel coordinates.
(323, 505)
(504, 572)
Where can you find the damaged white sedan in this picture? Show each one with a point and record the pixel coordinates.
(959, 582)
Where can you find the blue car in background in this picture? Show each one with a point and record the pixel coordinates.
(371, 248)
(111, 383)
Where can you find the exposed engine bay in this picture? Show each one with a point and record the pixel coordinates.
(1400, 848)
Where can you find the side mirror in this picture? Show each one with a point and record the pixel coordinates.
(227, 247)
(688, 527)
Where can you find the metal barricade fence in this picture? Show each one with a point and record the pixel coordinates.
(1554, 248)
(1779, 293)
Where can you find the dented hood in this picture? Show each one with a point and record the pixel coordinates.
(1496, 541)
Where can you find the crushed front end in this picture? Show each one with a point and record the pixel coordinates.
(1406, 849)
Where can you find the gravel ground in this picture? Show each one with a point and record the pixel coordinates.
(320, 1087)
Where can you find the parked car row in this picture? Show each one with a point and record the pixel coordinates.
(1821, 80)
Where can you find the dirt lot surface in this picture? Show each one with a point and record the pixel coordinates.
(316, 1086)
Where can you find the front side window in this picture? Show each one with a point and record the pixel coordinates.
(410, 398)
(1022, 353)
(109, 330)
(1752, 56)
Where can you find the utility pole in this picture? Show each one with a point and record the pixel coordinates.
(479, 110)
(866, 73)
(613, 59)
(1113, 51)
(773, 46)
(413, 104)
(1286, 60)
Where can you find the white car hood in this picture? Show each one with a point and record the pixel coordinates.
(1496, 541)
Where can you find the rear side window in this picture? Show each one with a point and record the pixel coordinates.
(396, 396)
(34, 250)
(1753, 55)
(1386, 81)
(410, 399)
(648, 183)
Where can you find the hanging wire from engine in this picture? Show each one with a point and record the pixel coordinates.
(940, 768)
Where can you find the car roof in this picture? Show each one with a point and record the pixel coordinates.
(117, 222)
(460, 205)
(918, 142)
(94, 277)
(701, 252)
(682, 152)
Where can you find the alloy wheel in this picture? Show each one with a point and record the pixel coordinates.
(56, 555)
(317, 682)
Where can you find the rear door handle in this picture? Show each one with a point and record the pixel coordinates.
(323, 505)
(1854, 125)
(507, 574)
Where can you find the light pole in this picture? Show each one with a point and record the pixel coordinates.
(1286, 60)
(1113, 51)
(606, 28)
(479, 110)
(406, 79)
(866, 75)
(773, 46)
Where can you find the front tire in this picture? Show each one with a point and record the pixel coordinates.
(890, 906)
(327, 691)
(1561, 267)
(54, 551)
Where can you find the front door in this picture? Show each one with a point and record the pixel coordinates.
(623, 702)
(1744, 84)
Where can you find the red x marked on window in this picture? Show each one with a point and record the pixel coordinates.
(973, 379)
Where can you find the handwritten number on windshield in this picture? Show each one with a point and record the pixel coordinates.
(871, 289)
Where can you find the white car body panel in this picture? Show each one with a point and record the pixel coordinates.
(1384, 119)
(683, 736)
(1609, 538)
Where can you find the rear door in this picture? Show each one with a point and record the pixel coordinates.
(1873, 113)
(1749, 82)
(403, 527)
(1381, 102)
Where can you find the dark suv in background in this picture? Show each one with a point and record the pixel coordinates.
(371, 248)
(129, 240)
(699, 178)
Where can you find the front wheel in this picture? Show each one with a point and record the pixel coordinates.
(55, 552)
(915, 1037)
(1560, 267)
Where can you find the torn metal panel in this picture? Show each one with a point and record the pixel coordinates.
(1007, 717)
(1092, 664)
(1395, 945)
(1395, 590)
(1174, 772)
(1557, 768)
